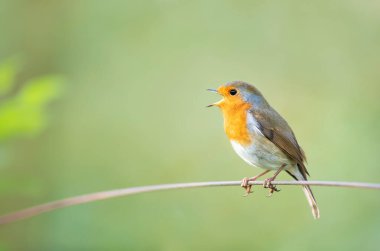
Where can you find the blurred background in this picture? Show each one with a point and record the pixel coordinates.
(98, 95)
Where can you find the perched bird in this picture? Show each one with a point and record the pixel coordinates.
(261, 137)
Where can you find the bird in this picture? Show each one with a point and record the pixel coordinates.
(261, 137)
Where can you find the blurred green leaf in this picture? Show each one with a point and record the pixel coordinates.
(24, 114)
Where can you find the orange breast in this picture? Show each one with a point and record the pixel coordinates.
(235, 122)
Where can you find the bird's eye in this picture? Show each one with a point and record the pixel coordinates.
(233, 92)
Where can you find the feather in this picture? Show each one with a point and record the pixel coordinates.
(277, 130)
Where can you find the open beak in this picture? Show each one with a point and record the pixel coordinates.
(217, 103)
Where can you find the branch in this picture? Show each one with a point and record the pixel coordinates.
(81, 199)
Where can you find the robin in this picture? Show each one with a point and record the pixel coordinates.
(261, 137)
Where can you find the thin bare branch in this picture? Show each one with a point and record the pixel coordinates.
(43, 208)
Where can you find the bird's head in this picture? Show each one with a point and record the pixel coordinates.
(238, 93)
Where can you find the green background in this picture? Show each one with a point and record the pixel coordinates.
(131, 112)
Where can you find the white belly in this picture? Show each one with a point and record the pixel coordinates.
(262, 153)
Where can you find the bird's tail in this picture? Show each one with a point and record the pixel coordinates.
(313, 204)
(308, 193)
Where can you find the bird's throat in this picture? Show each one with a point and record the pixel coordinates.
(235, 122)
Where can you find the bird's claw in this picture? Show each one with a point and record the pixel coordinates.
(248, 191)
(246, 186)
(272, 188)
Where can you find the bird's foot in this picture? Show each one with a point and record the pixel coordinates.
(272, 188)
(246, 186)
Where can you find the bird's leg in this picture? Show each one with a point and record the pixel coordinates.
(246, 180)
(268, 184)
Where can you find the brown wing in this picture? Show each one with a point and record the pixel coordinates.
(277, 130)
